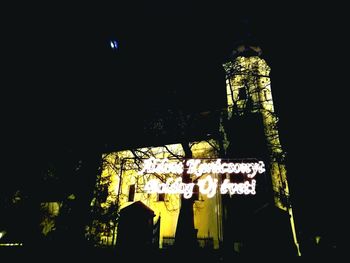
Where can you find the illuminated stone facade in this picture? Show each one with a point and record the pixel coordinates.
(121, 169)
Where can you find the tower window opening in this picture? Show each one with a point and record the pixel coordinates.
(161, 197)
(195, 195)
(242, 94)
(131, 195)
(266, 95)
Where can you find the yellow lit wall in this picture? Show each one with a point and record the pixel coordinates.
(207, 211)
(120, 170)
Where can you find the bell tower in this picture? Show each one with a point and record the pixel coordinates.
(248, 89)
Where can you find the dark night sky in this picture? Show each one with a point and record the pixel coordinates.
(65, 78)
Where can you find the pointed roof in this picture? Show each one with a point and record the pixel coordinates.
(137, 208)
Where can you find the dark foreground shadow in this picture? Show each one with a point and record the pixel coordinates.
(76, 254)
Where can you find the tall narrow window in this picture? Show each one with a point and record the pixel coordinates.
(131, 193)
(266, 95)
(161, 197)
(242, 94)
(195, 195)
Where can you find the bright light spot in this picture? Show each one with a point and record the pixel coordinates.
(317, 239)
(113, 44)
(2, 234)
(11, 244)
(71, 197)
